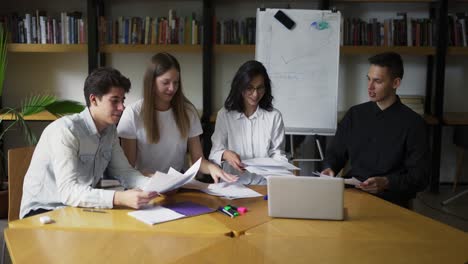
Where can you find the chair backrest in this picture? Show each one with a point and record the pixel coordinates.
(18, 164)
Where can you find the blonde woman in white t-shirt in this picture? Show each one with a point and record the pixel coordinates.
(248, 126)
(156, 131)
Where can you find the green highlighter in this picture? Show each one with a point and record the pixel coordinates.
(231, 210)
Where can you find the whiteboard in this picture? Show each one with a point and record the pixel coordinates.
(303, 66)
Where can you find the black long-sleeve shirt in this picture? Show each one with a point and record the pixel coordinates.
(390, 143)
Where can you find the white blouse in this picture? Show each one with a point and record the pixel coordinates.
(258, 136)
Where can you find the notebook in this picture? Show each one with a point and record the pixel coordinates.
(305, 197)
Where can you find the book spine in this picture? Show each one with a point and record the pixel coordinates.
(27, 26)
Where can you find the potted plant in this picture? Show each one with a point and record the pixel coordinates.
(16, 116)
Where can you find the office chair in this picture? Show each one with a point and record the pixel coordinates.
(18, 164)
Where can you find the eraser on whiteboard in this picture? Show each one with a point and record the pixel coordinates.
(284, 19)
(45, 220)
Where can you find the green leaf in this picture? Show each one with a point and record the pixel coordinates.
(29, 136)
(36, 104)
(59, 108)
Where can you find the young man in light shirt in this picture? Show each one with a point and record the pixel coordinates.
(74, 151)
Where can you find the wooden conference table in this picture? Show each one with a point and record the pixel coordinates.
(374, 231)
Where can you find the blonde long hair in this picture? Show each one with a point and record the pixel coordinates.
(160, 64)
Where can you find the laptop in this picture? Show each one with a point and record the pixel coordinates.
(305, 197)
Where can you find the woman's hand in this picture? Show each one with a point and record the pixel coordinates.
(234, 160)
(216, 173)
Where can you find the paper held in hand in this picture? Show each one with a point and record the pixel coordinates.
(165, 182)
(349, 181)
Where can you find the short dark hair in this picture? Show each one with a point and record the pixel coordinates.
(101, 80)
(246, 73)
(391, 60)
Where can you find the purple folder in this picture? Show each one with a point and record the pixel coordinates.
(189, 208)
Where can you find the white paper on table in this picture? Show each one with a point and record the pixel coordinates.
(268, 171)
(154, 215)
(230, 190)
(162, 182)
(269, 162)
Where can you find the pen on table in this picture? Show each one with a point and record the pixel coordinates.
(94, 211)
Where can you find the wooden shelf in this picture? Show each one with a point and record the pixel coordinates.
(345, 50)
(457, 51)
(42, 116)
(357, 50)
(455, 118)
(384, 1)
(47, 48)
(431, 120)
(115, 48)
(234, 48)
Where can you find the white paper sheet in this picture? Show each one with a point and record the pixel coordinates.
(350, 181)
(154, 215)
(268, 171)
(223, 189)
(162, 182)
(269, 162)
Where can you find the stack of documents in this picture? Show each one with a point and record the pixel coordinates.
(165, 182)
(268, 167)
(223, 189)
(158, 214)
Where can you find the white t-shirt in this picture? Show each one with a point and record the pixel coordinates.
(169, 151)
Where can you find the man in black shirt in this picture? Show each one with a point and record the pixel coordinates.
(384, 140)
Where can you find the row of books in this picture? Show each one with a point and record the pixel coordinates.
(39, 28)
(415, 102)
(235, 32)
(458, 30)
(71, 27)
(151, 30)
(390, 32)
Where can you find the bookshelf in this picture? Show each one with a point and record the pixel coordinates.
(134, 48)
(47, 48)
(455, 118)
(40, 68)
(385, 1)
(462, 51)
(344, 50)
(451, 118)
(42, 116)
(357, 50)
(234, 48)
